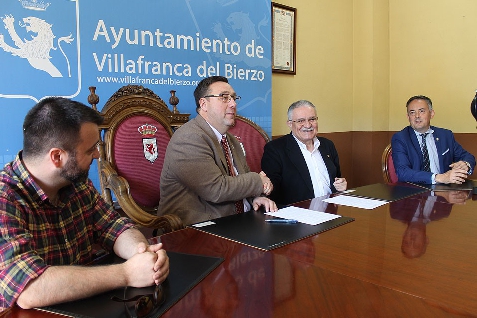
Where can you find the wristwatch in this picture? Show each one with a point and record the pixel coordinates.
(468, 165)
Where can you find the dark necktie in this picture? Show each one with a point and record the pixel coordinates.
(225, 147)
(426, 164)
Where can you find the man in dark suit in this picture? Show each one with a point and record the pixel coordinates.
(301, 165)
(440, 159)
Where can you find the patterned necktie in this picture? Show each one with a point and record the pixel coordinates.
(426, 164)
(225, 147)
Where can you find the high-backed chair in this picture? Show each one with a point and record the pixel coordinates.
(136, 131)
(389, 173)
(253, 139)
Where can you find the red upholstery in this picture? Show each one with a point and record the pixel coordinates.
(253, 139)
(136, 130)
(389, 173)
(131, 163)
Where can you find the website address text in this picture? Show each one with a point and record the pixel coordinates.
(128, 79)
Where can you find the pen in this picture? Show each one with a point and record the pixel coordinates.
(287, 221)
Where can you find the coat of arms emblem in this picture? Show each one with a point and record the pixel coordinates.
(149, 141)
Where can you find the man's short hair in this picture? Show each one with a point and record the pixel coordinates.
(297, 104)
(55, 122)
(424, 98)
(202, 88)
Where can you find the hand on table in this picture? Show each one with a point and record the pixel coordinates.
(269, 205)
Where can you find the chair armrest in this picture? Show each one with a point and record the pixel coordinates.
(120, 187)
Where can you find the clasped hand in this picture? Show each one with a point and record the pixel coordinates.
(457, 174)
(267, 184)
(454, 197)
(340, 184)
(150, 265)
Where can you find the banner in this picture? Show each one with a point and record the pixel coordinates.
(61, 47)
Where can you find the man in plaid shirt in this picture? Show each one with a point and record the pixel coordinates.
(51, 215)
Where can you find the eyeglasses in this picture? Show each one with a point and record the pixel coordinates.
(301, 121)
(226, 98)
(145, 304)
(413, 113)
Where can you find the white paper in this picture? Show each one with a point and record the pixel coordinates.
(203, 224)
(363, 203)
(303, 215)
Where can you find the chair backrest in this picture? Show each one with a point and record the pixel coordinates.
(136, 130)
(389, 173)
(136, 134)
(137, 147)
(253, 139)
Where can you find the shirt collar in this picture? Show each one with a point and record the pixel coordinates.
(216, 132)
(430, 131)
(21, 172)
(316, 143)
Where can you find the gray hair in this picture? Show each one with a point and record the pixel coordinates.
(297, 104)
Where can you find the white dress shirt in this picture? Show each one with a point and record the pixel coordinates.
(432, 150)
(316, 167)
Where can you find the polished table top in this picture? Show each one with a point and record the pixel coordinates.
(389, 262)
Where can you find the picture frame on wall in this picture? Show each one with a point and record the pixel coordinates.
(283, 39)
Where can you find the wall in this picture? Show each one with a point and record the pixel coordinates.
(433, 45)
(360, 60)
(324, 66)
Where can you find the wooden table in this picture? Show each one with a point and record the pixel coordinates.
(366, 268)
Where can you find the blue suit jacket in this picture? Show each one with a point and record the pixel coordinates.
(407, 154)
(286, 167)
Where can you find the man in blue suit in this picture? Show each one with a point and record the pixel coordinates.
(426, 154)
(301, 165)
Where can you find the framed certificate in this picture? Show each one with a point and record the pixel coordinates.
(283, 39)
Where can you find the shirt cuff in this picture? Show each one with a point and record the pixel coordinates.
(433, 178)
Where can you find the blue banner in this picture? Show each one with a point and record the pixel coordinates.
(61, 47)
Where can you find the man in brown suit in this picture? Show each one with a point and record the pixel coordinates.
(196, 183)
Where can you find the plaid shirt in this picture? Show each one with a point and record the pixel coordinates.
(36, 234)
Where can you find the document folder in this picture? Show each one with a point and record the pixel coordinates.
(468, 185)
(250, 229)
(186, 271)
(387, 192)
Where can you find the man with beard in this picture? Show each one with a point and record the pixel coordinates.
(302, 165)
(205, 174)
(51, 215)
(427, 154)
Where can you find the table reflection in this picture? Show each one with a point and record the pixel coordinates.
(226, 301)
(418, 212)
(317, 204)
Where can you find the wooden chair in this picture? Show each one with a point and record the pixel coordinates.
(389, 173)
(253, 139)
(136, 131)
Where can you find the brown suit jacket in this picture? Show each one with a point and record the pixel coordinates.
(195, 184)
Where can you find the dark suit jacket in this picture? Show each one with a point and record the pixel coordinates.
(407, 154)
(286, 167)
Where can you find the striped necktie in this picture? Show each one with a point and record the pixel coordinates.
(426, 164)
(225, 146)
